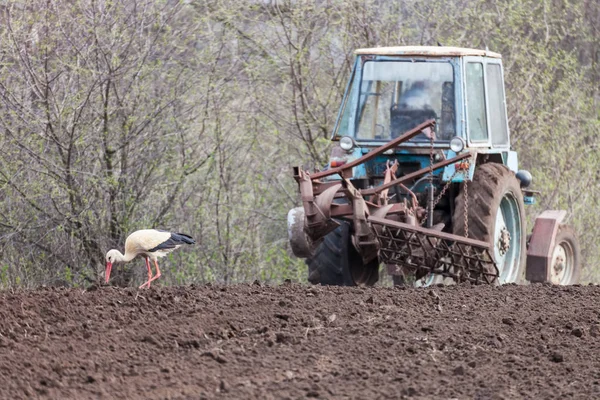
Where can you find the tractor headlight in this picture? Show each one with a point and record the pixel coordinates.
(346, 143)
(457, 144)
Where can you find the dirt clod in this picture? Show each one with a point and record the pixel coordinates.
(557, 357)
(460, 370)
(215, 355)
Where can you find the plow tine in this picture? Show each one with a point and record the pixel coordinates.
(316, 212)
(382, 211)
(324, 200)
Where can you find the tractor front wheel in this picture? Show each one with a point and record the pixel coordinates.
(495, 213)
(336, 262)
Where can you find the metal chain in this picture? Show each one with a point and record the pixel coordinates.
(431, 165)
(441, 194)
(446, 186)
(443, 191)
(431, 157)
(466, 194)
(429, 205)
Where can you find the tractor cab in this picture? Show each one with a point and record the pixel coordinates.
(394, 89)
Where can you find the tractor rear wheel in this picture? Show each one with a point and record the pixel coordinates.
(565, 265)
(496, 214)
(336, 262)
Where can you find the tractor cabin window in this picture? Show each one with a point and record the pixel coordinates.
(342, 125)
(396, 96)
(476, 112)
(497, 105)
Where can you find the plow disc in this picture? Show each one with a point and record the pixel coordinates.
(417, 249)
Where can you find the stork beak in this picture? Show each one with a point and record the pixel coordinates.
(108, 268)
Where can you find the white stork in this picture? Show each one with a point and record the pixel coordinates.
(150, 244)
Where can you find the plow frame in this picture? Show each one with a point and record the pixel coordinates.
(395, 243)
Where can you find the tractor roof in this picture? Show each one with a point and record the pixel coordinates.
(429, 51)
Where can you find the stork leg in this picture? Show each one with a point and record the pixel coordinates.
(149, 273)
(155, 277)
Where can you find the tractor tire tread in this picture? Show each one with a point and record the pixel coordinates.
(489, 183)
(334, 259)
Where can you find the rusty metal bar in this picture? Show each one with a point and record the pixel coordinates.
(441, 164)
(375, 152)
(320, 187)
(345, 210)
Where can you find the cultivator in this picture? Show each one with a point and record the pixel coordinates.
(393, 232)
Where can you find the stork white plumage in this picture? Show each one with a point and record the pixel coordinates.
(149, 244)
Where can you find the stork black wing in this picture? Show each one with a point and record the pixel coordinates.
(176, 239)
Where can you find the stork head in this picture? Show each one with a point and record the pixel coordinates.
(112, 257)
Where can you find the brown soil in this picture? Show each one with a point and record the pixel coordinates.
(294, 341)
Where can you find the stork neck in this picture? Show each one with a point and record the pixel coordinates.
(128, 256)
(124, 257)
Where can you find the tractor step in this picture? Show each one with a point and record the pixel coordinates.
(423, 250)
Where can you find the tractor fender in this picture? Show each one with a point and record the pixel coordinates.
(541, 245)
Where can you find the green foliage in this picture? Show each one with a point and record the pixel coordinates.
(68, 276)
(4, 277)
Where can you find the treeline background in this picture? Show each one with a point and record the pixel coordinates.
(188, 116)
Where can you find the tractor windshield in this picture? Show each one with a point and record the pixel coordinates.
(395, 96)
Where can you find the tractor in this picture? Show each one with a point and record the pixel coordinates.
(422, 179)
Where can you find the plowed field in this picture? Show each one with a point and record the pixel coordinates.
(295, 341)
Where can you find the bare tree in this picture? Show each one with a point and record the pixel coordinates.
(95, 124)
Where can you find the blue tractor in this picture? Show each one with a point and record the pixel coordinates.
(422, 180)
